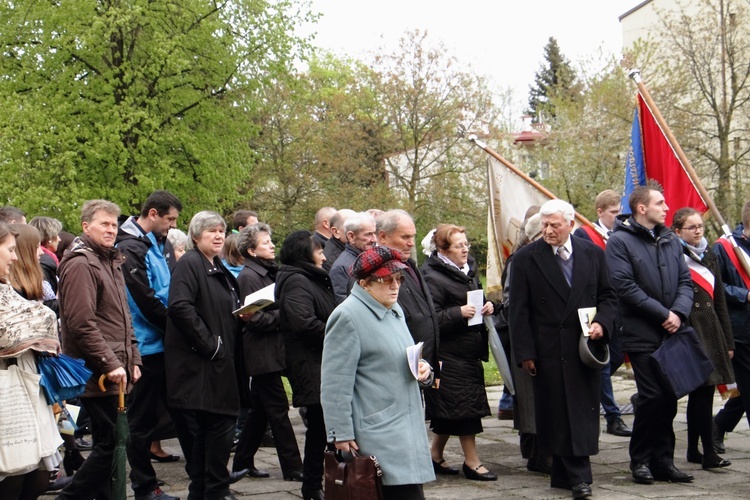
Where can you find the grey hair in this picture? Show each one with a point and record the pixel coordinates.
(177, 238)
(248, 238)
(48, 227)
(389, 221)
(558, 206)
(89, 209)
(356, 222)
(203, 221)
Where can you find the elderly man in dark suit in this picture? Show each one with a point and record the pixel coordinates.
(552, 279)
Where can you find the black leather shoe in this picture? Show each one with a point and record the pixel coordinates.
(157, 494)
(618, 428)
(642, 474)
(694, 457)
(672, 474)
(581, 490)
(235, 476)
(478, 476)
(714, 463)
(718, 439)
(536, 466)
(445, 470)
(253, 472)
(295, 475)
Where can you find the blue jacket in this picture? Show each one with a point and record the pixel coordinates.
(147, 276)
(651, 278)
(368, 392)
(339, 273)
(734, 289)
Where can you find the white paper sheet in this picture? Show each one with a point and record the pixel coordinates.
(414, 354)
(475, 298)
(586, 317)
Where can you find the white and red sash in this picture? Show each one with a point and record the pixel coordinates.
(729, 249)
(701, 275)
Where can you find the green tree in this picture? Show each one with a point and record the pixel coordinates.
(703, 89)
(429, 102)
(554, 81)
(117, 98)
(588, 138)
(321, 144)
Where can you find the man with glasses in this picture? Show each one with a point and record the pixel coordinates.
(655, 294)
(736, 284)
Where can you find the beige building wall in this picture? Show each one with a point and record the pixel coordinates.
(642, 21)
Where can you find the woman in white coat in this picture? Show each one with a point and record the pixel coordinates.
(371, 401)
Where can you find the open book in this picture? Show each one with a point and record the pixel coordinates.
(257, 300)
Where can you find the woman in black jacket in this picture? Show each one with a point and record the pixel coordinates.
(203, 383)
(456, 407)
(306, 299)
(710, 319)
(265, 362)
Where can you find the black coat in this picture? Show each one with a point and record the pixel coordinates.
(710, 320)
(201, 342)
(416, 301)
(544, 327)
(735, 289)
(461, 393)
(305, 298)
(262, 341)
(651, 278)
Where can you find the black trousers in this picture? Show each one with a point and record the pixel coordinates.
(315, 445)
(144, 401)
(729, 416)
(403, 492)
(93, 478)
(269, 406)
(206, 442)
(652, 442)
(700, 420)
(571, 470)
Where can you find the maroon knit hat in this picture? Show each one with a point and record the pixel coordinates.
(377, 261)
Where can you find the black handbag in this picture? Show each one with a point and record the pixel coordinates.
(357, 479)
(683, 362)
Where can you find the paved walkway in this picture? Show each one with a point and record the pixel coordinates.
(498, 447)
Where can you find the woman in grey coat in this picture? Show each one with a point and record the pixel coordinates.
(371, 401)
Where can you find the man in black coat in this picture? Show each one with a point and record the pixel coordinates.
(655, 294)
(552, 279)
(395, 229)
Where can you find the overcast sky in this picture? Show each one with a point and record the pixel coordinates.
(501, 39)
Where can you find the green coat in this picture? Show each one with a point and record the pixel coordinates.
(367, 391)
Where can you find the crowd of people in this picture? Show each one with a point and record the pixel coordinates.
(158, 313)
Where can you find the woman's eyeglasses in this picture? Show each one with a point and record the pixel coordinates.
(694, 228)
(389, 279)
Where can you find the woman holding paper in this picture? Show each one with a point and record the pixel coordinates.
(458, 404)
(370, 396)
(265, 362)
(204, 386)
(710, 319)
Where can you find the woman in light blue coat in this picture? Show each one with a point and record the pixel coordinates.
(371, 400)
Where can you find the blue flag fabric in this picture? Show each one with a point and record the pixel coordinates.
(635, 166)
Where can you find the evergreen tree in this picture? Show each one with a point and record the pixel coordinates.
(555, 78)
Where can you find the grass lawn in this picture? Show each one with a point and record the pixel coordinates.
(491, 373)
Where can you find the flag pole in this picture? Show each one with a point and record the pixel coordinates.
(473, 138)
(635, 75)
